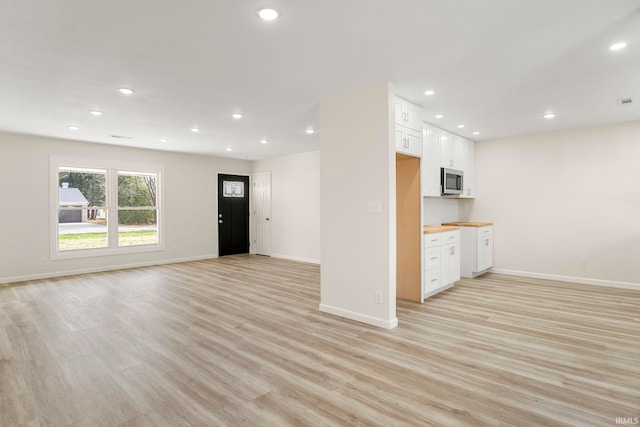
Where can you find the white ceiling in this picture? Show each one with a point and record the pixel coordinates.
(496, 65)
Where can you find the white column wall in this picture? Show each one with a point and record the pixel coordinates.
(357, 170)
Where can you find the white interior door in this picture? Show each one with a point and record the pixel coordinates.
(262, 212)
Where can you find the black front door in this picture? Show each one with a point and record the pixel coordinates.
(233, 214)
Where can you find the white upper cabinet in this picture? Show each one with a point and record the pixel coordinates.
(458, 153)
(450, 151)
(430, 165)
(408, 115)
(408, 131)
(468, 159)
(408, 141)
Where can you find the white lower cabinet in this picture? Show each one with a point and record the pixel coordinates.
(441, 261)
(477, 250)
(450, 263)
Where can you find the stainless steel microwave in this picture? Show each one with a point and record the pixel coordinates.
(450, 181)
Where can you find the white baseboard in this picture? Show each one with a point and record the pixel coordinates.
(296, 258)
(5, 280)
(381, 323)
(570, 279)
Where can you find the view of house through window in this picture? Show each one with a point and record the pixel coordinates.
(87, 200)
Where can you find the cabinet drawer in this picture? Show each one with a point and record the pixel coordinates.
(431, 240)
(485, 231)
(450, 237)
(431, 280)
(432, 258)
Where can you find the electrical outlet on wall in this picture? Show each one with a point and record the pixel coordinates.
(378, 297)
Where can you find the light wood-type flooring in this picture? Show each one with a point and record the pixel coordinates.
(240, 341)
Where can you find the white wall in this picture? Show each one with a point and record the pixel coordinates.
(357, 166)
(295, 205)
(190, 197)
(565, 205)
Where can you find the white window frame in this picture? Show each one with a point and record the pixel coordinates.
(112, 167)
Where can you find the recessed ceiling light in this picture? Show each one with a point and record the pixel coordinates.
(263, 141)
(195, 130)
(476, 133)
(236, 116)
(96, 112)
(74, 127)
(268, 14)
(429, 92)
(126, 91)
(229, 149)
(310, 131)
(460, 126)
(164, 140)
(549, 115)
(618, 46)
(439, 116)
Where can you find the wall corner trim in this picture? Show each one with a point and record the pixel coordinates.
(380, 323)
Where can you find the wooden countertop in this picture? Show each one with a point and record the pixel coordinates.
(429, 229)
(469, 224)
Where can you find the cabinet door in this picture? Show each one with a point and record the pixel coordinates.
(450, 151)
(430, 173)
(400, 141)
(468, 161)
(413, 118)
(414, 142)
(408, 115)
(450, 263)
(454, 266)
(408, 141)
(485, 253)
(446, 150)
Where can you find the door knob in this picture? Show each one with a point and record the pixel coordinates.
(220, 221)
(267, 219)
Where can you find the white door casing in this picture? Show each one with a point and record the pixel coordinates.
(262, 212)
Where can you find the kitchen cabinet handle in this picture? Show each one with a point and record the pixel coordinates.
(434, 280)
(453, 250)
(435, 257)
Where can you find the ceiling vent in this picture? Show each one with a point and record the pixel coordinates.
(625, 101)
(121, 137)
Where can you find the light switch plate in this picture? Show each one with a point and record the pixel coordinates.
(374, 206)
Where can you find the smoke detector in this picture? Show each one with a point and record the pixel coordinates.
(625, 101)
